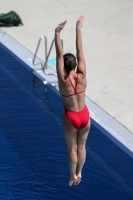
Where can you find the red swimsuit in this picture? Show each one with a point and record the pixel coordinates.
(78, 119)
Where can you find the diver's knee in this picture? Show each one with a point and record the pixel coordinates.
(72, 148)
(81, 147)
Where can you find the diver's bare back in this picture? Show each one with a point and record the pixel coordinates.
(74, 102)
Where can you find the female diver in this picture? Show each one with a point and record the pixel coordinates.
(72, 85)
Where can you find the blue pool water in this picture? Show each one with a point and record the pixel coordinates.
(33, 153)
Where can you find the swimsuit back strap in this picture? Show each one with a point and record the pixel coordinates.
(71, 82)
(75, 91)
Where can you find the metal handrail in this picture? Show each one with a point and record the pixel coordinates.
(40, 39)
(45, 65)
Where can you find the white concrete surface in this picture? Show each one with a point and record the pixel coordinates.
(107, 44)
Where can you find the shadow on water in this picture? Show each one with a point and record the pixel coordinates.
(33, 154)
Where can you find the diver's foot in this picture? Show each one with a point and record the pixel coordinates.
(72, 180)
(78, 180)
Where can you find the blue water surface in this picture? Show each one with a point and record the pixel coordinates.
(33, 153)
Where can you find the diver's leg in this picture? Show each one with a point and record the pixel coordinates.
(81, 150)
(70, 134)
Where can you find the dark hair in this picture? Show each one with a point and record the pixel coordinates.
(69, 62)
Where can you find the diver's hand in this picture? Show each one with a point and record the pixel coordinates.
(80, 22)
(60, 26)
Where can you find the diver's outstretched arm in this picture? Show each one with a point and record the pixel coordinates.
(59, 50)
(80, 55)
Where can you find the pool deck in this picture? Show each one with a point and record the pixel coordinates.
(107, 44)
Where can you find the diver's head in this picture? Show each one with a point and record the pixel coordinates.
(69, 62)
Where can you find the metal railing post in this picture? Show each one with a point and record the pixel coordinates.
(37, 50)
(44, 65)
